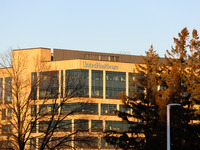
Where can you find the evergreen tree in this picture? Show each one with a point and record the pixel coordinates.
(182, 86)
(174, 80)
(142, 132)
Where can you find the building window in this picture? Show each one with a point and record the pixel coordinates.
(86, 108)
(64, 125)
(8, 89)
(134, 87)
(115, 84)
(33, 127)
(96, 125)
(9, 113)
(33, 142)
(104, 144)
(77, 82)
(117, 125)
(34, 85)
(48, 109)
(43, 126)
(49, 85)
(124, 109)
(58, 126)
(81, 124)
(6, 129)
(3, 115)
(1, 90)
(108, 109)
(33, 110)
(86, 142)
(97, 83)
(63, 143)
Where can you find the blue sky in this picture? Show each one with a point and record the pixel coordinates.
(116, 26)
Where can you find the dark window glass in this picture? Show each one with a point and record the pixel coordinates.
(8, 89)
(84, 142)
(64, 125)
(43, 126)
(62, 141)
(6, 129)
(108, 109)
(96, 125)
(77, 82)
(49, 84)
(33, 110)
(33, 127)
(9, 113)
(1, 90)
(48, 109)
(117, 125)
(5, 144)
(115, 84)
(134, 87)
(87, 108)
(3, 117)
(124, 109)
(104, 144)
(34, 85)
(33, 143)
(81, 124)
(97, 83)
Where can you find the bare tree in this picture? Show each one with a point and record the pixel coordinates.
(25, 110)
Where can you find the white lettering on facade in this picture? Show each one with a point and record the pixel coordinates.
(98, 65)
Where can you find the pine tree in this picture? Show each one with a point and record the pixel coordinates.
(141, 134)
(181, 86)
(158, 83)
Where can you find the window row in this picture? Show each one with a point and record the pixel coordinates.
(78, 142)
(81, 125)
(77, 83)
(84, 108)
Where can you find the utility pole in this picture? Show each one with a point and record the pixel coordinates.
(168, 124)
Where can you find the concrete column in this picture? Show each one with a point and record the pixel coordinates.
(104, 84)
(127, 83)
(90, 83)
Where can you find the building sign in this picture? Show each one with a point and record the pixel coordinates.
(99, 65)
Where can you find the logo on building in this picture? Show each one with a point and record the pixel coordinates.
(101, 66)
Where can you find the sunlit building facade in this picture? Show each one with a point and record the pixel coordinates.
(102, 76)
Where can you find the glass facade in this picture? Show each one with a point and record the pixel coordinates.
(6, 129)
(34, 85)
(117, 125)
(87, 108)
(97, 125)
(33, 110)
(48, 109)
(3, 114)
(9, 115)
(33, 127)
(64, 125)
(33, 143)
(124, 109)
(108, 109)
(8, 89)
(77, 82)
(49, 85)
(81, 124)
(97, 83)
(115, 84)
